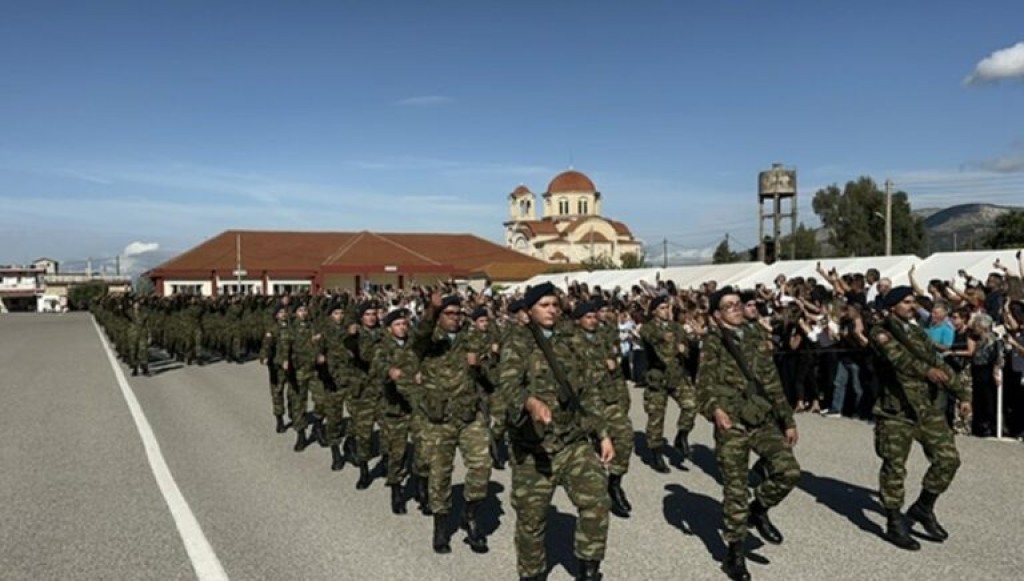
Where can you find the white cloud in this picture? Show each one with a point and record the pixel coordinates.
(140, 248)
(425, 101)
(1003, 64)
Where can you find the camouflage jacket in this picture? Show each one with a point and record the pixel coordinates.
(300, 345)
(662, 341)
(906, 356)
(567, 426)
(592, 355)
(339, 362)
(273, 349)
(449, 390)
(722, 384)
(399, 395)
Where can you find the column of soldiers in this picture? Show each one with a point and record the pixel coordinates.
(547, 395)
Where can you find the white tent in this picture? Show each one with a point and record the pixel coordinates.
(888, 266)
(945, 265)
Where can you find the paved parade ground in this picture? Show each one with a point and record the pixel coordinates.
(79, 497)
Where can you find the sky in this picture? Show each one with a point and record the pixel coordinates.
(129, 127)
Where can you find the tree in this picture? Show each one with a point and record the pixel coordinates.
(80, 296)
(806, 244)
(1008, 231)
(601, 262)
(723, 254)
(633, 260)
(855, 218)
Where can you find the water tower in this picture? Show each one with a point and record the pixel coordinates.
(774, 186)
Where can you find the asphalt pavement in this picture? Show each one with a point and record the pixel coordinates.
(79, 499)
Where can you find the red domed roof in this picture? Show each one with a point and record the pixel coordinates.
(571, 181)
(520, 190)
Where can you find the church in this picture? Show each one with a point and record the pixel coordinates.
(570, 229)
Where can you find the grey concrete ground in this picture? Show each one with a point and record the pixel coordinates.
(78, 501)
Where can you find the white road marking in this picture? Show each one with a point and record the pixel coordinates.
(204, 561)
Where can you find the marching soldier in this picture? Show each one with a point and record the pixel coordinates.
(339, 376)
(911, 373)
(302, 351)
(741, 394)
(666, 344)
(551, 443)
(365, 399)
(274, 354)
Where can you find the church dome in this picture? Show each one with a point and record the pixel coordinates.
(571, 181)
(521, 190)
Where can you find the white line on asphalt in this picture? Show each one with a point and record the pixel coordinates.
(204, 561)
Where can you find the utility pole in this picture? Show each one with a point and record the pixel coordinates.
(664, 252)
(117, 265)
(888, 217)
(238, 264)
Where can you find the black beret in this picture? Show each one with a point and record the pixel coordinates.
(717, 296)
(583, 309)
(479, 312)
(536, 293)
(451, 301)
(895, 295)
(516, 306)
(658, 300)
(598, 302)
(363, 307)
(395, 315)
(747, 296)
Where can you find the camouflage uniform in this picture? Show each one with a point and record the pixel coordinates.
(561, 456)
(365, 402)
(906, 410)
(666, 378)
(302, 353)
(138, 339)
(396, 408)
(592, 351)
(340, 378)
(274, 352)
(757, 419)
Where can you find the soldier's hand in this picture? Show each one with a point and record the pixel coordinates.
(395, 374)
(495, 348)
(722, 420)
(538, 410)
(791, 437)
(607, 451)
(418, 379)
(965, 409)
(936, 375)
(472, 359)
(284, 366)
(610, 363)
(320, 359)
(353, 329)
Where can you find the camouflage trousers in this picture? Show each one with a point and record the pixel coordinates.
(334, 415)
(620, 429)
(732, 449)
(656, 404)
(498, 404)
(420, 458)
(364, 409)
(534, 478)
(317, 394)
(279, 383)
(298, 397)
(440, 442)
(893, 439)
(394, 436)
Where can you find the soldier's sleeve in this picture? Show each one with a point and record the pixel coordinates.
(767, 371)
(265, 345)
(897, 354)
(710, 363)
(512, 371)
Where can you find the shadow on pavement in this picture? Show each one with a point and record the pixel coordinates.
(559, 540)
(849, 500)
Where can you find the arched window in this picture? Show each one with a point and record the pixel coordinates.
(582, 206)
(563, 206)
(524, 207)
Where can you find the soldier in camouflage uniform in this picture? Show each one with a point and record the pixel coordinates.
(393, 363)
(666, 343)
(598, 361)
(301, 345)
(274, 354)
(740, 392)
(451, 397)
(340, 378)
(138, 338)
(551, 441)
(911, 372)
(486, 342)
(365, 402)
(513, 334)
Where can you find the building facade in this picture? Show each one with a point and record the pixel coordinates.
(570, 228)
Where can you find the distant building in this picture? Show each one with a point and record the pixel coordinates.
(283, 262)
(41, 287)
(570, 228)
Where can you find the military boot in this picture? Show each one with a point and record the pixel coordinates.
(589, 571)
(618, 497)
(658, 460)
(317, 434)
(337, 458)
(397, 499)
(279, 426)
(897, 532)
(923, 511)
(135, 371)
(496, 457)
(735, 565)
(441, 545)
(538, 577)
(759, 518)
(300, 440)
(474, 537)
(423, 494)
(364, 476)
(682, 443)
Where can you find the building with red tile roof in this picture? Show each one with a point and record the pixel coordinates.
(571, 228)
(273, 262)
